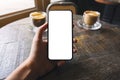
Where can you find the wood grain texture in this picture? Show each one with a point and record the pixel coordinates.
(98, 56)
(15, 43)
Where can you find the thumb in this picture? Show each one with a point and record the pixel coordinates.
(41, 29)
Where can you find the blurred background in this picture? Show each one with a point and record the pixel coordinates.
(11, 10)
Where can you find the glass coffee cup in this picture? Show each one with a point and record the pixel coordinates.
(91, 20)
(38, 19)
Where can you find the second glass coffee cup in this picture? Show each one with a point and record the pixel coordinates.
(91, 20)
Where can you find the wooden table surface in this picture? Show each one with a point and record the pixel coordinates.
(98, 56)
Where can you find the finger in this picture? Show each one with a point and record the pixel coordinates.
(74, 50)
(45, 41)
(57, 63)
(74, 40)
(40, 31)
(60, 63)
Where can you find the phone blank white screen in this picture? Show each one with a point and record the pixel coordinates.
(60, 35)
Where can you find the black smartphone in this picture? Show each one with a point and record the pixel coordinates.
(60, 21)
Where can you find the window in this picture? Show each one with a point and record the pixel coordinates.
(12, 10)
(10, 6)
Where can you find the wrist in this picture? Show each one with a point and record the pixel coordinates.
(40, 68)
(23, 72)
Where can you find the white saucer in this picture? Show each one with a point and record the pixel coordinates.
(96, 26)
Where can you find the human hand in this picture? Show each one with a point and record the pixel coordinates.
(37, 64)
(38, 54)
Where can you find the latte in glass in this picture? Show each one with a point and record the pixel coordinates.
(90, 17)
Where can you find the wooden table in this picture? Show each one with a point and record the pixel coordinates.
(98, 56)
